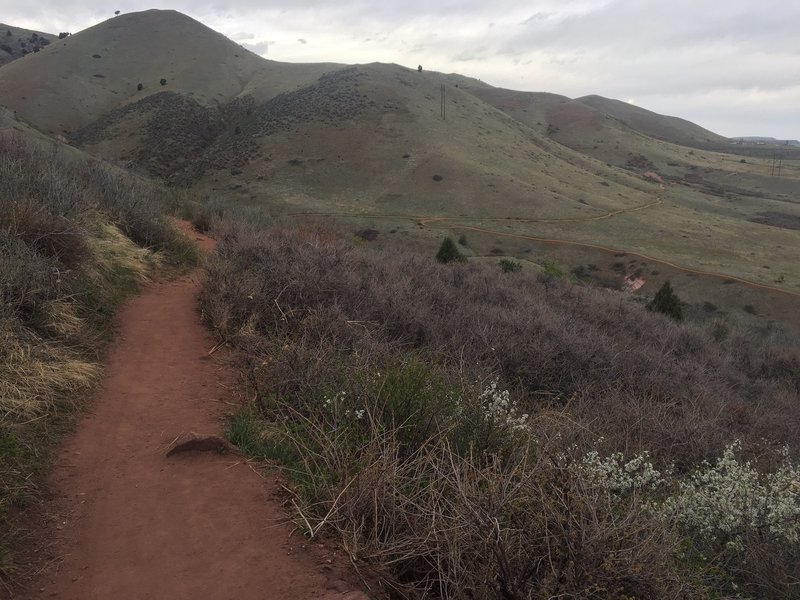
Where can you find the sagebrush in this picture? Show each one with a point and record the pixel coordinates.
(474, 434)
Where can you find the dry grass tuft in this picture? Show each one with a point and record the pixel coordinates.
(36, 376)
(112, 252)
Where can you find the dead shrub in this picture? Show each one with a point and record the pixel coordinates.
(50, 234)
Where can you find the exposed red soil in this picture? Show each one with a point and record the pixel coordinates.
(121, 520)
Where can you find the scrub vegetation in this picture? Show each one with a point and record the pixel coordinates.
(473, 433)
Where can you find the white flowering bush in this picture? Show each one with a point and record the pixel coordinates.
(499, 409)
(488, 420)
(729, 501)
(616, 475)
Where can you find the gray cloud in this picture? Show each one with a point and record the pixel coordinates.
(732, 66)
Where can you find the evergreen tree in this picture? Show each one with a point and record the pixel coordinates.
(448, 252)
(666, 302)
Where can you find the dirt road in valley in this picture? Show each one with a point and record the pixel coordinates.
(123, 521)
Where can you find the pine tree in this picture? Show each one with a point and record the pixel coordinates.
(448, 252)
(666, 302)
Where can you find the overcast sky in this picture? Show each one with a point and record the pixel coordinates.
(732, 66)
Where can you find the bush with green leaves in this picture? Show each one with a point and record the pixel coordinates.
(449, 252)
(666, 302)
(510, 266)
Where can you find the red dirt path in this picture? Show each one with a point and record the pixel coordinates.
(125, 522)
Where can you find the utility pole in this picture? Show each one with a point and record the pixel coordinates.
(444, 105)
(777, 164)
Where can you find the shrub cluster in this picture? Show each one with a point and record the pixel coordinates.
(498, 437)
(612, 365)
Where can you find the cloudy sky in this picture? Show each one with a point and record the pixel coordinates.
(732, 66)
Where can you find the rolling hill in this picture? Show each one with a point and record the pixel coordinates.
(661, 127)
(78, 79)
(369, 144)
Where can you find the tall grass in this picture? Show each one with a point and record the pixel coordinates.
(457, 427)
(75, 239)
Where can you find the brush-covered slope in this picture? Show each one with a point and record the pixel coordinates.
(82, 77)
(16, 42)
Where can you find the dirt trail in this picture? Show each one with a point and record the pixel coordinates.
(124, 521)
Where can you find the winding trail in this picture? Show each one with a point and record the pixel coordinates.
(123, 521)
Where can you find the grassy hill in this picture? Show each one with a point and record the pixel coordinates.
(82, 77)
(523, 174)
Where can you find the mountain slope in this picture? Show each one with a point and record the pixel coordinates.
(80, 78)
(16, 42)
(662, 127)
(588, 130)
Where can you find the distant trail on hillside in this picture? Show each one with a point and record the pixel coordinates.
(647, 257)
(425, 220)
(124, 521)
(453, 223)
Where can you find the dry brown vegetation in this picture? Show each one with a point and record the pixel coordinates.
(76, 237)
(380, 383)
